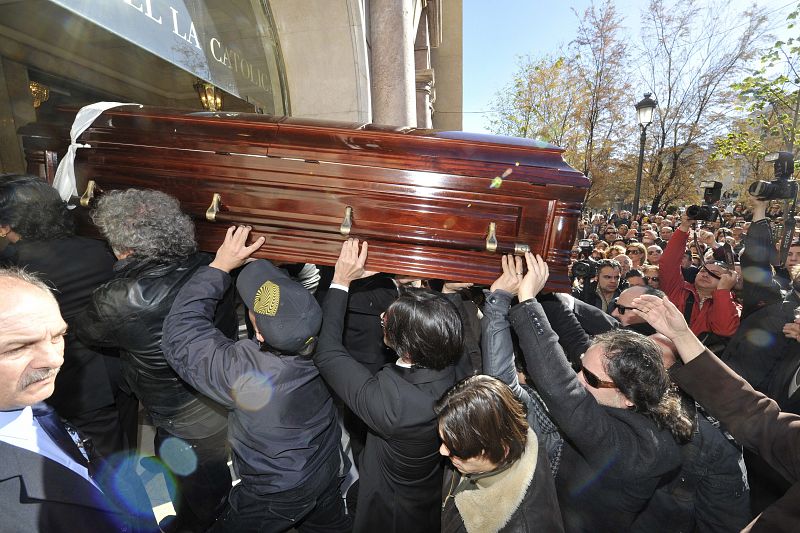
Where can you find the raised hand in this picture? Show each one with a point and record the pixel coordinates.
(350, 265)
(511, 277)
(727, 280)
(536, 278)
(233, 253)
(792, 330)
(661, 314)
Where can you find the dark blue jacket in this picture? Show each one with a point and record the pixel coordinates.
(282, 424)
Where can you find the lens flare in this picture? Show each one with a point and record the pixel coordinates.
(125, 490)
(178, 455)
(252, 391)
(761, 337)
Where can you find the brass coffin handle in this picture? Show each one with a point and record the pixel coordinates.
(520, 249)
(213, 209)
(347, 223)
(88, 194)
(491, 238)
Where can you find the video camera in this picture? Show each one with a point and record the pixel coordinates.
(782, 187)
(711, 195)
(586, 246)
(585, 268)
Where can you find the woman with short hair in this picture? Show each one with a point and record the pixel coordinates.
(638, 254)
(500, 480)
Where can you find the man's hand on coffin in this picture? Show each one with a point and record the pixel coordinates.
(533, 282)
(451, 287)
(350, 265)
(234, 253)
(511, 277)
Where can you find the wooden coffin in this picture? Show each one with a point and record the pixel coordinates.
(431, 204)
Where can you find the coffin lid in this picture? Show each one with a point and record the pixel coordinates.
(255, 134)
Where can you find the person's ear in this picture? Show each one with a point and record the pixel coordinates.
(258, 335)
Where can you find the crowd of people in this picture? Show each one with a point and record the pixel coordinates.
(660, 395)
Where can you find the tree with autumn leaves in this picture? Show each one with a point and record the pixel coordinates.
(688, 56)
(769, 99)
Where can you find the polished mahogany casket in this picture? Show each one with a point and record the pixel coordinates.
(431, 204)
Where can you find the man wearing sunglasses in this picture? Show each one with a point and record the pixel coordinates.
(708, 302)
(620, 417)
(622, 305)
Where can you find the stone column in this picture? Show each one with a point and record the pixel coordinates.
(423, 75)
(425, 98)
(392, 61)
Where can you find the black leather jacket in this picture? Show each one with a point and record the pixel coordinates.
(128, 313)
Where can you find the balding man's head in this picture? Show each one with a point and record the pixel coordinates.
(31, 340)
(624, 304)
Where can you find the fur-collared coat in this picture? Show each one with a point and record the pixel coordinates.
(521, 498)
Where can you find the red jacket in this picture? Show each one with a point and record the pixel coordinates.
(719, 314)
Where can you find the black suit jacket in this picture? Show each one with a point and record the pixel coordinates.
(38, 494)
(401, 469)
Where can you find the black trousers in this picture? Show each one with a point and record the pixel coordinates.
(316, 506)
(202, 478)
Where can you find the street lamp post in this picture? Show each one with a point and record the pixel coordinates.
(644, 111)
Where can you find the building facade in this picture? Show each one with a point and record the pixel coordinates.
(394, 62)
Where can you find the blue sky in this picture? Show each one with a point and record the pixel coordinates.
(497, 33)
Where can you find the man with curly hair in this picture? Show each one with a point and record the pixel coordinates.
(157, 253)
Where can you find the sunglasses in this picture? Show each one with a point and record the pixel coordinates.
(633, 252)
(621, 308)
(649, 279)
(595, 382)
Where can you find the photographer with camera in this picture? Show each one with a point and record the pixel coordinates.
(765, 311)
(759, 344)
(601, 292)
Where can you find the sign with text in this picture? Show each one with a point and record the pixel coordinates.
(230, 43)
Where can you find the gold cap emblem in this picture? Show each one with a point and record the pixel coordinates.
(267, 299)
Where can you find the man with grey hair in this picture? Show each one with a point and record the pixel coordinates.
(156, 250)
(49, 478)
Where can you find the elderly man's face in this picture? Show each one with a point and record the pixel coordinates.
(666, 233)
(31, 344)
(625, 263)
(622, 311)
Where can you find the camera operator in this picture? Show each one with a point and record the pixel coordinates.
(708, 302)
(601, 292)
(759, 344)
